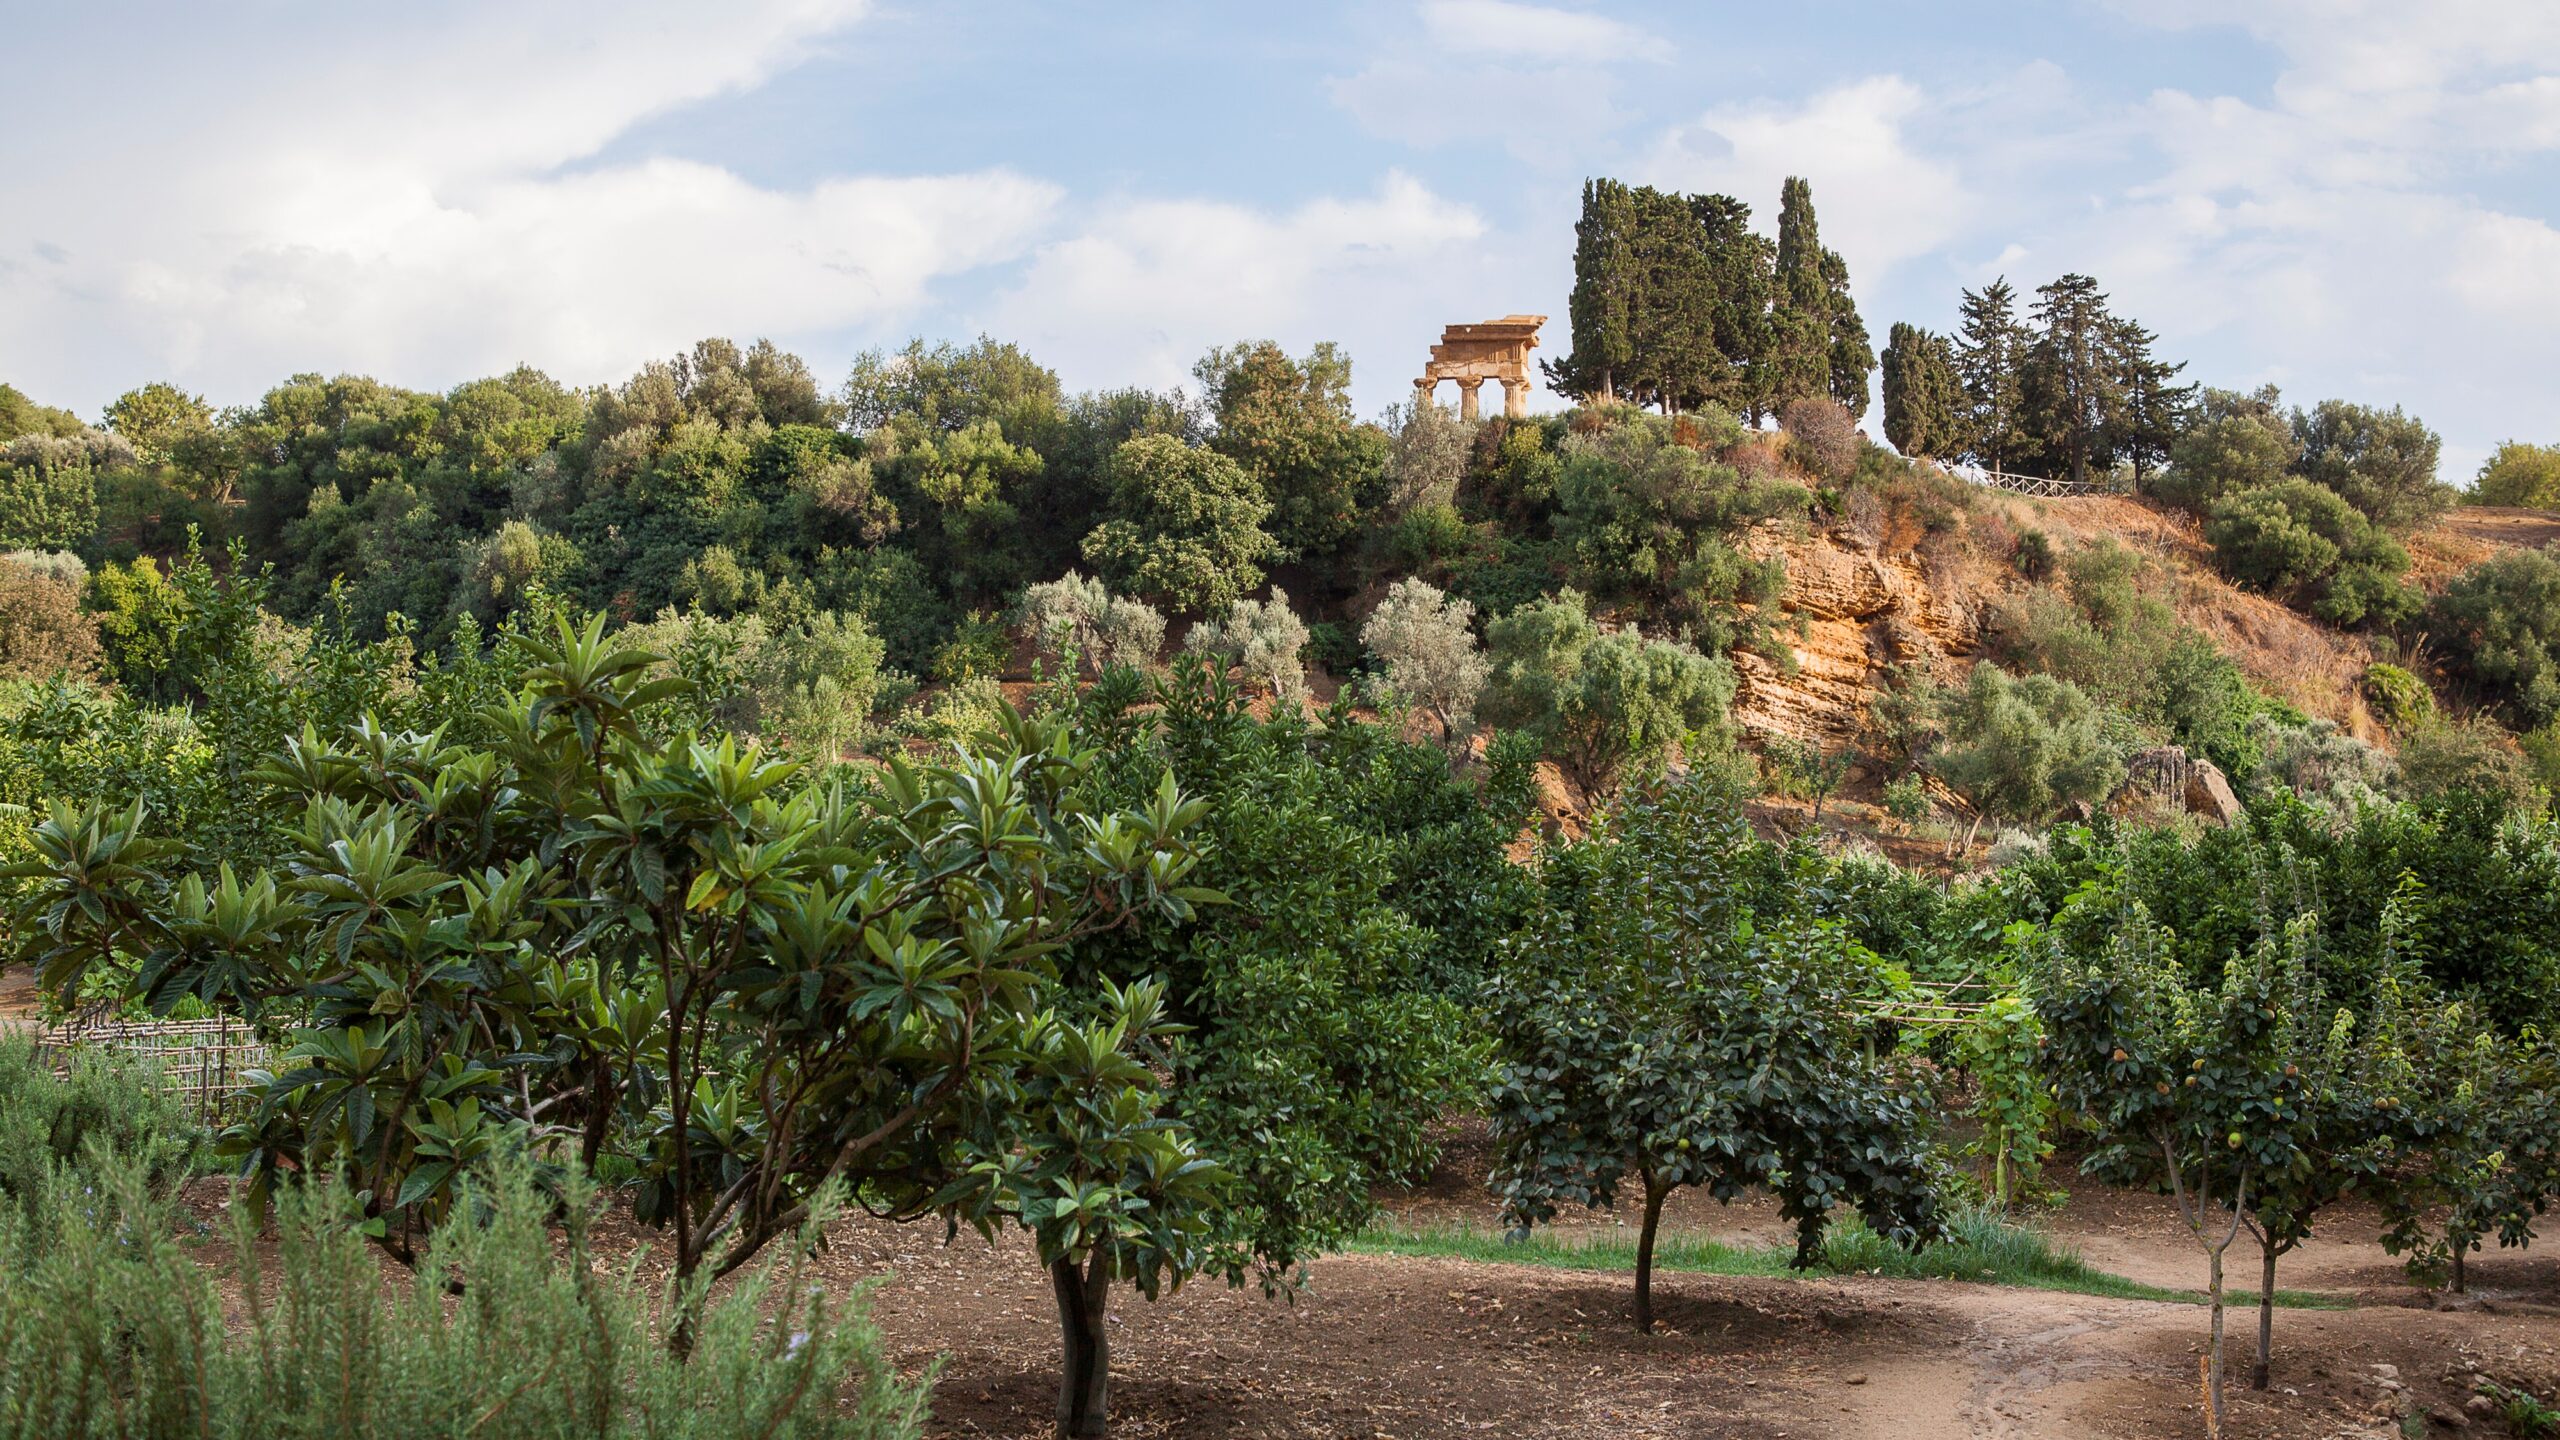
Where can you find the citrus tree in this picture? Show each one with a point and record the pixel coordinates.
(1647, 1026)
(2187, 1087)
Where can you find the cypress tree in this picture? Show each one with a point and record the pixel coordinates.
(1924, 400)
(1800, 321)
(1990, 359)
(1674, 362)
(1601, 310)
(1744, 275)
(1852, 353)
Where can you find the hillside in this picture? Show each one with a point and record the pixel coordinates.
(1876, 597)
(1866, 595)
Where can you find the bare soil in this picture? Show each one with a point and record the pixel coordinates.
(2503, 525)
(1393, 1348)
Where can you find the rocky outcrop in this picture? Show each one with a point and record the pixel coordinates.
(2166, 775)
(1862, 608)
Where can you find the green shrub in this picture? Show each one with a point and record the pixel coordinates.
(1186, 528)
(2446, 757)
(1907, 800)
(1647, 518)
(1602, 701)
(2127, 648)
(2023, 747)
(2306, 545)
(54, 1127)
(2499, 622)
(2245, 448)
(109, 1327)
(1334, 648)
(978, 648)
(2519, 474)
(2034, 555)
(2400, 698)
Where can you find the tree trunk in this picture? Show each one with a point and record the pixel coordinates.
(1084, 1374)
(2460, 1283)
(2213, 1353)
(2266, 1315)
(1644, 1255)
(2000, 1172)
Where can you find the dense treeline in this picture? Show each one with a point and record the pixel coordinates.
(1678, 303)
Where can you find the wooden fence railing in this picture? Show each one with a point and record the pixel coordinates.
(202, 1060)
(1932, 1003)
(2036, 485)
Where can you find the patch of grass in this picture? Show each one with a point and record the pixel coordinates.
(1985, 1249)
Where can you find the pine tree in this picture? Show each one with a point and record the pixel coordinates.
(2156, 409)
(2074, 394)
(1991, 361)
(1924, 401)
(1604, 295)
(1852, 353)
(1800, 316)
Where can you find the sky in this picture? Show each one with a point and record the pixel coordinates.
(2351, 198)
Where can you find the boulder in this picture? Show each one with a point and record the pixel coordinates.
(2168, 775)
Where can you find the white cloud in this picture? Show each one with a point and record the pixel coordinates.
(1145, 288)
(1880, 198)
(416, 220)
(1533, 32)
(1536, 82)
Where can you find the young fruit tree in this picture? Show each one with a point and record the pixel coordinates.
(2480, 1112)
(1070, 1144)
(2188, 1088)
(1225, 1095)
(1645, 1024)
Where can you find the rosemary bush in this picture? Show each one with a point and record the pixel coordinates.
(111, 1325)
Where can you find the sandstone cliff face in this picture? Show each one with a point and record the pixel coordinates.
(1864, 605)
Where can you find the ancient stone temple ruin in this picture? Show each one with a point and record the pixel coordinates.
(1473, 354)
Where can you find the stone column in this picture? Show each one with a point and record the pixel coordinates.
(1515, 396)
(1423, 389)
(1468, 385)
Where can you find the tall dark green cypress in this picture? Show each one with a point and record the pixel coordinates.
(1676, 362)
(1744, 276)
(1852, 353)
(1800, 319)
(1605, 295)
(1924, 401)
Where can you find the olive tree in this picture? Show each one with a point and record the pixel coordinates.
(2025, 746)
(1645, 1026)
(1263, 638)
(1076, 620)
(1601, 700)
(1427, 642)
